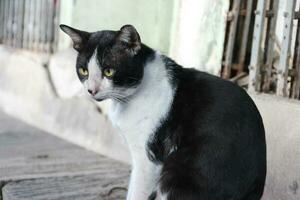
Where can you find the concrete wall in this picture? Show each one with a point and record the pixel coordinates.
(198, 34)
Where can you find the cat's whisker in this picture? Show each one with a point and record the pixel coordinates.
(121, 100)
(118, 96)
(133, 78)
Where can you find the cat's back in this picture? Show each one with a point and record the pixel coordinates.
(211, 95)
(206, 104)
(218, 132)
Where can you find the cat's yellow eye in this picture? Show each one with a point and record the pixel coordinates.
(109, 72)
(83, 72)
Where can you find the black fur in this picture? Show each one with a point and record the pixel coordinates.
(212, 143)
(152, 196)
(112, 52)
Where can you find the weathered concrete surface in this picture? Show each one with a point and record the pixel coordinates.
(26, 93)
(36, 165)
(63, 74)
(27, 152)
(199, 43)
(282, 123)
(96, 186)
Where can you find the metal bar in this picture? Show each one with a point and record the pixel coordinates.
(15, 22)
(230, 14)
(282, 71)
(6, 24)
(231, 39)
(269, 13)
(270, 44)
(243, 12)
(10, 23)
(45, 24)
(297, 15)
(26, 24)
(266, 34)
(255, 63)
(296, 79)
(20, 23)
(42, 24)
(245, 38)
(4, 21)
(50, 26)
(1, 20)
(56, 16)
(31, 24)
(37, 24)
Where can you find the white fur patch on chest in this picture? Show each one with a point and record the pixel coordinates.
(138, 119)
(142, 115)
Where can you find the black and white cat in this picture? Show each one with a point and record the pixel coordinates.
(191, 135)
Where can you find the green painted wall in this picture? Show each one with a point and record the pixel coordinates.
(192, 32)
(152, 18)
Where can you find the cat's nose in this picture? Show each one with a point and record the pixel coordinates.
(92, 92)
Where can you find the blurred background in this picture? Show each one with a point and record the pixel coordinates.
(254, 43)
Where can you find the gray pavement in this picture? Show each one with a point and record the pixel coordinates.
(36, 165)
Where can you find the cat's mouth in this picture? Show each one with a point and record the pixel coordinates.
(121, 96)
(99, 99)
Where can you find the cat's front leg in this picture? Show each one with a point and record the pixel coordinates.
(139, 186)
(142, 183)
(130, 187)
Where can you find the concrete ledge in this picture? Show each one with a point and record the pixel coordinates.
(63, 74)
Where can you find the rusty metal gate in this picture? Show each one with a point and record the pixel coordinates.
(29, 24)
(254, 55)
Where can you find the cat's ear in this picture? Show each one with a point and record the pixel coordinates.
(79, 37)
(129, 36)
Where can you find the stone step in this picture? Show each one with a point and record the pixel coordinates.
(37, 165)
(103, 185)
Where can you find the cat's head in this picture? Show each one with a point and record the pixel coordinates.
(110, 64)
